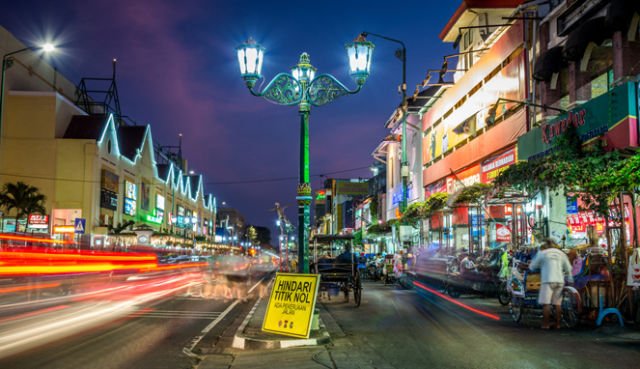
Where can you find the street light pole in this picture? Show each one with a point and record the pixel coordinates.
(404, 161)
(6, 63)
(303, 88)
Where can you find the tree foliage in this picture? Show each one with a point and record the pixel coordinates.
(23, 198)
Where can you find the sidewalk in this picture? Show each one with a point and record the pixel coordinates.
(327, 348)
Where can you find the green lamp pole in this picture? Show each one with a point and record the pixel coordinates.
(304, 89)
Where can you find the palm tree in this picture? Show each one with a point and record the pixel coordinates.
(24, 198)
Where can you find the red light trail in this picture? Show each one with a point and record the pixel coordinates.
(456, 302)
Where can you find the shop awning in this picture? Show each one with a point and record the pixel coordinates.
(549, 63)
(594, 30)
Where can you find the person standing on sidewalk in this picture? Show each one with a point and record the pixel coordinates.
(554, 266)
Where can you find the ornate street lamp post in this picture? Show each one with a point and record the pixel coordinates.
(302, 87)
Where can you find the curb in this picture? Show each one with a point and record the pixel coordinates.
(243, 342)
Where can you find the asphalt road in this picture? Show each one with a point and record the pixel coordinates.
(397, 328)
(151, 338)
(393, 328)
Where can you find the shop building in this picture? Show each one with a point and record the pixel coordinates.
(92, 165)
(587, 66)
(340, 198)
(389, 153)
(368, 211)
(470, 132)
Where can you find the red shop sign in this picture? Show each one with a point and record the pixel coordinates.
(503, 233)
(37, 219)
(492, 167)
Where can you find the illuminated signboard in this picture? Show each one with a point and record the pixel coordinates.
(130, 190)
(109, 181)
(463, 179)
(492, 167)
(108, 199)
(153, 219)
(129, 206)
(160, 202)
(130, 197)
(64, 229)
(37, 221)
(180, 220)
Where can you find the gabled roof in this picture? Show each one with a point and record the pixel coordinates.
(195, 183)
(130, 139)
(86, 127)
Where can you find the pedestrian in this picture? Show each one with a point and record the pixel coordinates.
(554, 266)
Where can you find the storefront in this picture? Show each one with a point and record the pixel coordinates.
(609, 120)
(469, 137)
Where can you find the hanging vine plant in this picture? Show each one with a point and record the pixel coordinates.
(379, 228)
(587, 173)
(414, 213)
(473, 194)
(435, 202)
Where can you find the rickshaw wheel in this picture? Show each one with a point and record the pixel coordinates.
(504, 296)
(516, 309)
(357, 290)
(345, 289)
(569, 309)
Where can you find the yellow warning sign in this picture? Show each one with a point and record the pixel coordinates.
(291, 304)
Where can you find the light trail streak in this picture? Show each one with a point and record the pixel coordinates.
(26, 331)
(71, 268)
(456, 302)
(28, 288)
(33, 239)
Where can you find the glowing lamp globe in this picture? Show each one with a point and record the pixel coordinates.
(304, 71)
(360, 52)
(250, 55)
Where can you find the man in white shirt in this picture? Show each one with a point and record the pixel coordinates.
(554, 266)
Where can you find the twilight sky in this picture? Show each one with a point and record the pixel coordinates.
(177, 70)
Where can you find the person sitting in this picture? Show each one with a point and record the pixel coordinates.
(346, 257)
(467, 264)
(465, 261)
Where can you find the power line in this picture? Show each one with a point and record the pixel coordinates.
(244, 181)
(280, 179)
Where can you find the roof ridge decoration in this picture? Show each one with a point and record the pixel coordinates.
(176, 179)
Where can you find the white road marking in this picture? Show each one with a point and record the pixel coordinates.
(189, 350)
(173, 314)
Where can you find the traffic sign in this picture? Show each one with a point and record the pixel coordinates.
(291, 305)
(80, 225)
